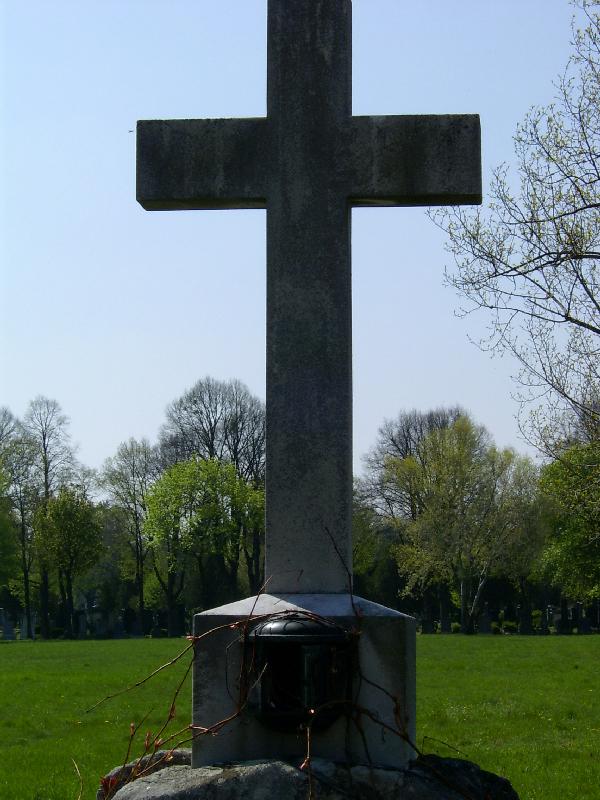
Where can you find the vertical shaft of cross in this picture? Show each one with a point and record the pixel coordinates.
(309, 325)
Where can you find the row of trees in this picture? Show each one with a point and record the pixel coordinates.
(175, 521)
(457, 513)
(440, 513)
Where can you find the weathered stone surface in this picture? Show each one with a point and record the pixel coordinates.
(428, 778)
(147, 764)
(308, 162)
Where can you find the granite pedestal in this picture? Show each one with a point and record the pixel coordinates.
(386, 657)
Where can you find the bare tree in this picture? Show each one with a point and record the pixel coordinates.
(46, 427)
(127, 477)
(217, 419)
(530, 258)
(8, 427)
(399, 438)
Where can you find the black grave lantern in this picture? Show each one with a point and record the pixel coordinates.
(302, 669)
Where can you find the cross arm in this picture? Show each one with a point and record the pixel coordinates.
(200, 164)
(416, 160)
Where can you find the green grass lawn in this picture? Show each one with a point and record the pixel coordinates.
(526, 707)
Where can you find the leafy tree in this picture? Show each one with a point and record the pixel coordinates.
(572, 555)
(46, 426)
(217, 419)
(19, 460)
(69, 533)
(200, 509)
(374, 566)
(127, 477)
(530, 259)
(469, 499)
(8, 544)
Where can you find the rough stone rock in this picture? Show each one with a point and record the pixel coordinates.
(428, 778)
(119, 776)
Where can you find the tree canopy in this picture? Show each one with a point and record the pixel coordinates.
(472, 503)
(572, 486)
(530, 257)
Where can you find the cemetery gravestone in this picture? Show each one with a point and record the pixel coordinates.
(82, 625)
(26, 633)
(308, 163)
(576, 615)
(446, 624)
(524, 619)
(118, 628)
(8, 631)
(427, 625)
(484, 624)
(564, 623)
(156, 631)
(585, 626)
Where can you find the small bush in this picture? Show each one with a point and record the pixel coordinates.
(496, 628)
(455, 627)
(508, 626)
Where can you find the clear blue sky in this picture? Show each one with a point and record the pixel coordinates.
(114, 311)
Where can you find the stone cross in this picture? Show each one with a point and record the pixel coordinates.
(308, 162)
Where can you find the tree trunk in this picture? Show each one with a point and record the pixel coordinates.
(70, 610)
(139, 576)
(466, 621)
(475, 604)
(26, 587)
(44, 603)
(253, 564)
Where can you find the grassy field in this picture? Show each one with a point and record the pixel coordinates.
(526, 707)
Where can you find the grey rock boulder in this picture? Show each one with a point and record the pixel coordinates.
(427, 778)
(119, 776)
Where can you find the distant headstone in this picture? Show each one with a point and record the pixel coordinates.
(129, 616)
(156, 631)
(147, 621)
(427, 625)
(446, 624)
(564, 623)
(484, 623)
(96, 620)
(8, 631)
(82, 625)
(524, 620)
(25, 632)
(136, 627)
(119, 627)
(585, 626)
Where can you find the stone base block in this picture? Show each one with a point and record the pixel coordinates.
(383, 691)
